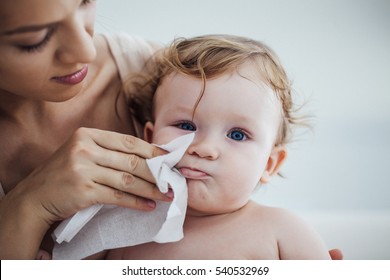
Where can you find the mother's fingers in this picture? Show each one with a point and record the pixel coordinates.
(115, 165)
(336, 254)
(128, 183)
(129, 163)
(124, 143)
(107, 195)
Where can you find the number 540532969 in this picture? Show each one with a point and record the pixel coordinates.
(241, 270)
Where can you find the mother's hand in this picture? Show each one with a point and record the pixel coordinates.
(336, 254)
(96, 166)
(93, 166)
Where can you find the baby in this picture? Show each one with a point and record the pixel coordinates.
(235, 95)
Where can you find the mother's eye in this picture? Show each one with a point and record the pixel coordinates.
(40, 45)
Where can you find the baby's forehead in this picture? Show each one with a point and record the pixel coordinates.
(246, 72)
(239, 81)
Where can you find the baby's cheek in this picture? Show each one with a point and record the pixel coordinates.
(165, 135)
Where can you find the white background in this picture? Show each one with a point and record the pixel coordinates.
(337, 52)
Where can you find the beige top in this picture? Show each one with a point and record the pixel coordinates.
(129, 53)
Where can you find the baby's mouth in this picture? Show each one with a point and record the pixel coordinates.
(191, 173)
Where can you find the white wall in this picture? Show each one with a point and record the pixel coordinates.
(338, 54)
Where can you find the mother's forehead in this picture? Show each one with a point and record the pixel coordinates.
(18, 13)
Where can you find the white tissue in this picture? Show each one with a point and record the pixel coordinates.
(102, 227)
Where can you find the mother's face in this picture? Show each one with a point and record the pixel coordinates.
(41, 40)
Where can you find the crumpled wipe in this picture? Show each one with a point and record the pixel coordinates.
(102, 227)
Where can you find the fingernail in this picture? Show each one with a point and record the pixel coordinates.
(169, 194)
(151, 204)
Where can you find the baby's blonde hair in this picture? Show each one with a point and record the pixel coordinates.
(209, 56)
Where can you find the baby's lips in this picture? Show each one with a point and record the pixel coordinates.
(192, 173)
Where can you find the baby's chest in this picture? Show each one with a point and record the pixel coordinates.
(238, 243)
(211, 243)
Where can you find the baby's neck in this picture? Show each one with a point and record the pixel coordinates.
(192, 213)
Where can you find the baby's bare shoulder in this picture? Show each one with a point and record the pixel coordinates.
(276, 220)
(267, 213)
(295, 238)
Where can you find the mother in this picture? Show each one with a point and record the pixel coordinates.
(65, 123)
(55, 78)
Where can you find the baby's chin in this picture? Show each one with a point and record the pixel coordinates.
(198, 208)
(194, 210)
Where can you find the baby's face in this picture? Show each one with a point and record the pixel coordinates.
(236, 124)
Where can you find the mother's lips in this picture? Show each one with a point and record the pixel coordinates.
(73, 78)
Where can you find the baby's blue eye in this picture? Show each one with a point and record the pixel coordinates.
(237, 135)
(187, 126)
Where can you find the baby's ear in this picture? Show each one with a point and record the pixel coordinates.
(148, 132)
(275, 161)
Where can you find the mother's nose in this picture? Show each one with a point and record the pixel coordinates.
(77, 45)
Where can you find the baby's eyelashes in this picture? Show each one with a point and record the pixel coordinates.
(186, 125)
